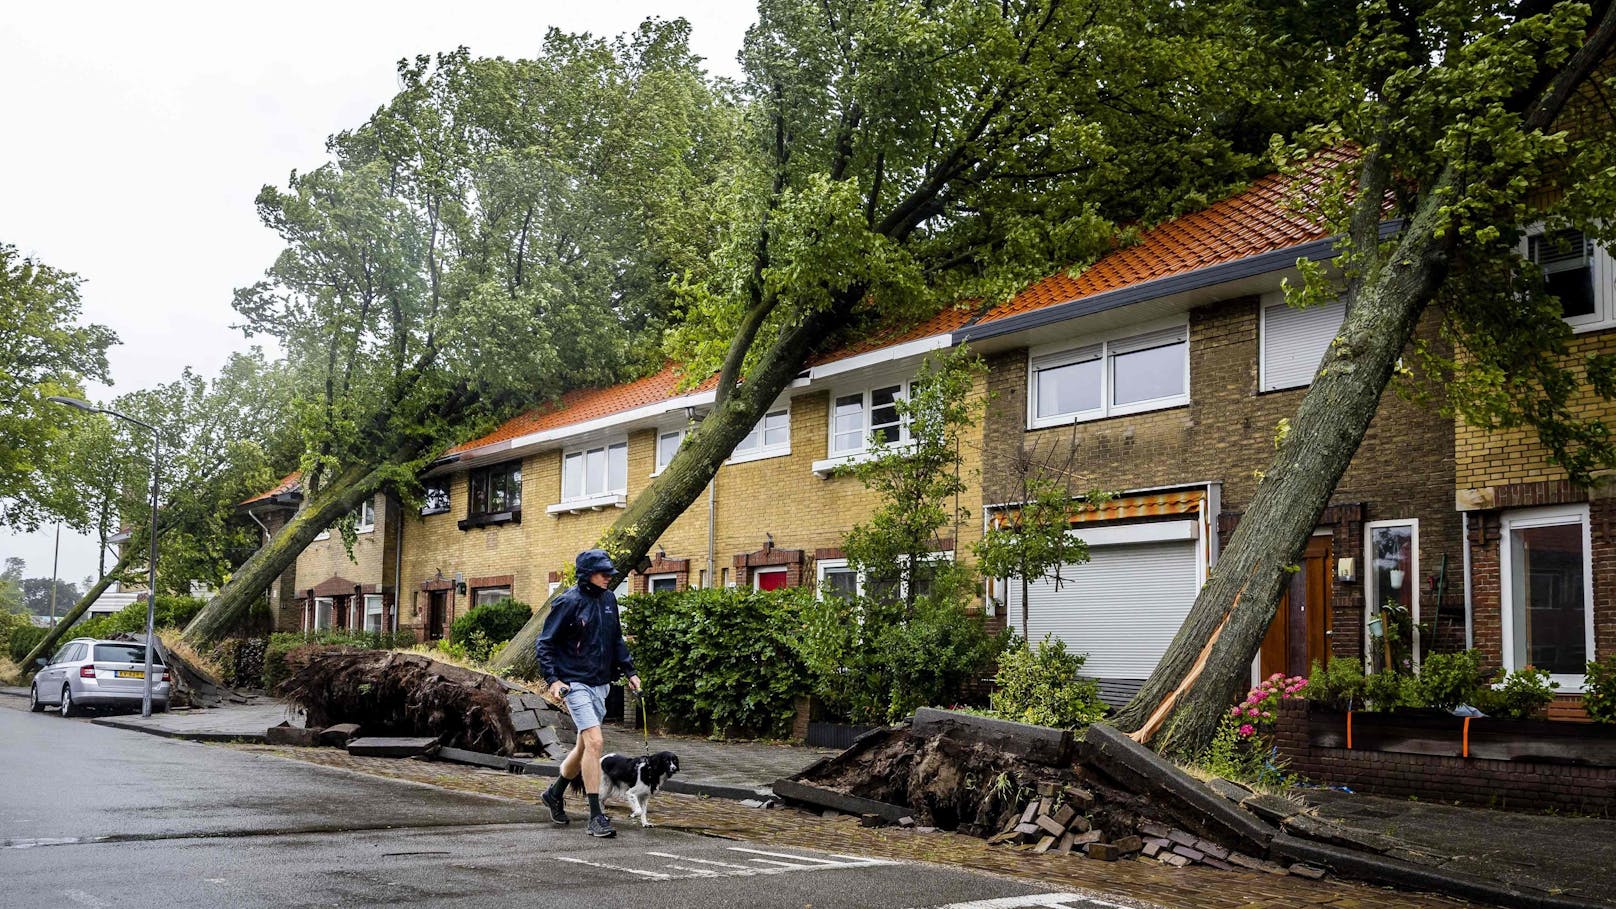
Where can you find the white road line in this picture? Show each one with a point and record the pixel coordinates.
(1039, 900)
(651, 874)
(685, 858)
(784, 855)
(788, 864)
(698, 872)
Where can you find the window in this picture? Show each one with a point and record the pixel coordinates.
(125, 653)
(435, 497)
(838, 580)
(482, 596)
(769, 578)
(659, 583)
(496, 489)
(1392, 586)
(373, 612)
(769, 438)
(365, 516)
(862, 419)
(1117, 376)
(1294, 341)
(1579, 273)
(322, 613)
(595, 472)
(1547, 586)
(667, 446)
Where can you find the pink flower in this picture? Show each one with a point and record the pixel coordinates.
(1234, 711)
(1267, 715)
(1252, 711)
(1248, 730)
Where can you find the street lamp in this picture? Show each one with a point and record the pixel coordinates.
(151, 597)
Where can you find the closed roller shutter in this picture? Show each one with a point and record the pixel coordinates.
(1122, 607)
(1295, 341)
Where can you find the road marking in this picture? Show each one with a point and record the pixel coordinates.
(684, 867)
(1038, 900)
(85, 899)
(655, 875)
(684, 858)
(799, 858)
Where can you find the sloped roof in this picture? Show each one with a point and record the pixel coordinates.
(292, 482)
(1258, 219)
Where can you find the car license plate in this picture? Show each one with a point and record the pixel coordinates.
(131, 674)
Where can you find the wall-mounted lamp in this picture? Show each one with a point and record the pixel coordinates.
(1346, 570)
(460, 583)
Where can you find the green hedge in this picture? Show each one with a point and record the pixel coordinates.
(169, 612)
(485, 628)
(722, 659)
(22, 641)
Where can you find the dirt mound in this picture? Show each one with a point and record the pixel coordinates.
(403, 694)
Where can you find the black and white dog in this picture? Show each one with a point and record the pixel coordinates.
(635, 778)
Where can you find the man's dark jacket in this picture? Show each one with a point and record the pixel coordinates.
(582, 641)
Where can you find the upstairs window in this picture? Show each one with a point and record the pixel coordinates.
(434, 497)
(1579, 273)
(496, 489)
(667, 446)
(1294, 341)
(365, 516)
(1117, 376)
(771, 436)
(864, 419)
(595, 472)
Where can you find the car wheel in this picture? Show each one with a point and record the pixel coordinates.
(68, 707)
(34, 704)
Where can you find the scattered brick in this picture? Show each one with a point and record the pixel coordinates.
(1105, 852)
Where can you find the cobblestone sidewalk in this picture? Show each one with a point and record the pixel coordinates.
(1186, 888)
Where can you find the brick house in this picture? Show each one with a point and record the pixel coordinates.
(1542, 552)
(506, 513)
(326, 588)
(1164, 371)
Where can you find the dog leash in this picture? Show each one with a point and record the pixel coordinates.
(645, 723)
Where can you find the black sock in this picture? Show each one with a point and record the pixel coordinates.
(594, 805)
(558, 789)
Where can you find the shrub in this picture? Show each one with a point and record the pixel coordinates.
(1599, 690)
(489, 626)
(1339, 686)
(22, 641)
(169, 612)
(1389, 690)
(10, 623)
(1447, 680)
(1236, 755)
(1043, 687)
(720, 658)
(1256, 714)
(1518, 695)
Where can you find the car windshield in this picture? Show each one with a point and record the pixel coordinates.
(124, 653)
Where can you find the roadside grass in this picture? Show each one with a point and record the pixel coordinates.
(10, 673)
(178, 646)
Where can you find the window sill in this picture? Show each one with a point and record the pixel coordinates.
(829, 465)
(762, 455)
(428, 514)
(492, 518)
(1121, 410)
(592, 503)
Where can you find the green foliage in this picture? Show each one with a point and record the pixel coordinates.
(1599, 690)
(488, 626)
(44, 351)
(720, 658)
(1518, 695)
(10, 623)
(169, 612)
(1338, 686)
(1390, 690)
(1043, 687)
(23, 640)
(1246, 759)
(1449, 679)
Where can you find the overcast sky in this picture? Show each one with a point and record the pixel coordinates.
(137, 135)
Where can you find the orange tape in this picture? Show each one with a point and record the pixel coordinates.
(1349, 730)
(1467, 736)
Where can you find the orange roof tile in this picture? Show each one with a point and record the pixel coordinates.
(288, 483)
(946, 322)
(1256, 220)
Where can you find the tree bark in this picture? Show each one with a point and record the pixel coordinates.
(79, 608)
(1209, 662)
(340, 495)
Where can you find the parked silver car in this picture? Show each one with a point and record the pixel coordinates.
(86, 672)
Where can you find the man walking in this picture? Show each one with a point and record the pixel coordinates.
(580, 651)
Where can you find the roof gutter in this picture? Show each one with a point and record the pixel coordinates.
(1198, 279)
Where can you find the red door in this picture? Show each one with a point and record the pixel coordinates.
(771, 580)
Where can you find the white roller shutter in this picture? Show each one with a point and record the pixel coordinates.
(1294, 341)
(1122, 607)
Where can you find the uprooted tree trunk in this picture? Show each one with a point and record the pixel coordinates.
(406, 694)
(324, 506)
(130, 553)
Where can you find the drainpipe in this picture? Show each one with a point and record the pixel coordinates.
(398, 562)
(1470, 628)
(274, 619)
(712, 508)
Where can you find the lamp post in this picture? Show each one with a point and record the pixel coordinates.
(151, 577)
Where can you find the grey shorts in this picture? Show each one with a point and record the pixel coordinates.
(587, 704)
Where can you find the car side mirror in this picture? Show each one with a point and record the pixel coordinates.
(41, 662)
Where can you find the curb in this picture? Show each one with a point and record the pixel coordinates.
(15, 692)
(678, 787)
(1380, 869)
(257, 738)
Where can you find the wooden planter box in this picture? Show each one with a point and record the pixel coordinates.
(1481, 738)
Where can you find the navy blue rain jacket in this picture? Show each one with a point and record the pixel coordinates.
(582, 641)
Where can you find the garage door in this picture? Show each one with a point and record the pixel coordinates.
(1122, 608)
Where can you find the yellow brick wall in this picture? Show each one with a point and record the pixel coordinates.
(326, 559)
(780, 496)
(1488, 458)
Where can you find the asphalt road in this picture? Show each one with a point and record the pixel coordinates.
(98, 817)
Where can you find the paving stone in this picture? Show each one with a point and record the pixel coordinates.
(1311, 872)
(1049, 826)
(1029, 812)
(925, 829)
(1079, 797)
(1229, 789)
(872, 820)
(906, 821)
(1172, 858)
(1044, 845)
(1216, 863)
(1105, 852)
(1029, 829)
(1065, 846)
(1064, 816)
(392, 746)
(1080, 823)
(1151, 849)
(338, 736)
(1182, 838)
(1047, 790)
(1130, 844)
(1212, 849)
(294, 736)
(1084, 839)
(525, 721)
(1151, 828)
(1193, 855)
(1272, 808)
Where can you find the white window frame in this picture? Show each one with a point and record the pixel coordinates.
(373, 607)
(758, 573)
(864, 447)
(1549, 516)
(1372, 595)
(823, 566)
(760, 450)
(1602, 272)
(365, 516)
(1268, 301)
(661, 465)
(593, 500)
(330, 605)
(476, 594)
(323, 535)
(1107, 348)
(651, 580)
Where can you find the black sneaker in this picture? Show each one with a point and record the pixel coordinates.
(558, 814)
(600, 825)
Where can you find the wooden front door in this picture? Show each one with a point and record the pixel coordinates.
(437, 608)
(1299, 634)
